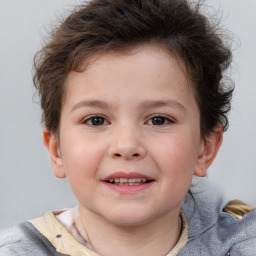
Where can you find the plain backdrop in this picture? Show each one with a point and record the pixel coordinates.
(27, 186)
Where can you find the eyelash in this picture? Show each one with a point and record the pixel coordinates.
(90, 118)
(167, 120)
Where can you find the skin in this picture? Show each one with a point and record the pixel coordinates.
(125, 92)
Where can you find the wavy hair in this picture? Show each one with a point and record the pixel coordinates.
(99, 26)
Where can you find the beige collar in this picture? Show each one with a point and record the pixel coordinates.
(183, 236)
(60, 237)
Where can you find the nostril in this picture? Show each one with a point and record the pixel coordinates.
(118, 155)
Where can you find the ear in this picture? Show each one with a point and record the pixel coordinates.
(52, 144)
(208, 151)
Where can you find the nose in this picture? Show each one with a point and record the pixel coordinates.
(127, 143)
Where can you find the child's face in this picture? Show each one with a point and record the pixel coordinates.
(130, 116)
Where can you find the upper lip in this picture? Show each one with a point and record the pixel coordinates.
(127, 175)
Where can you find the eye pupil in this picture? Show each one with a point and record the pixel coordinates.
(97, 121)
(158, 120)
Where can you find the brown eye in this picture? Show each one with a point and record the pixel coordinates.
(159, 120)
(96, 121)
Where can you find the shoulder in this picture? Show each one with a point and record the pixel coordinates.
(216, 228)
(245, 247)
(23, 240)
(238, 217)
(237, 223)
(236, 227)
(238, 208)
(11, 238)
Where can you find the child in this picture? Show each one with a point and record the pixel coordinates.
(133, 107)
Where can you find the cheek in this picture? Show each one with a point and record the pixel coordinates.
(81, 159)
(81, 168)
(177, 153)
(176, 164)
(176, 158)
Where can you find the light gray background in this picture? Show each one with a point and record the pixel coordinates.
(27, 186)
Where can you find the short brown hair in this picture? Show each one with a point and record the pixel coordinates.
(103, 25)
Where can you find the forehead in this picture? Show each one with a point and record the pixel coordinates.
(141, 65)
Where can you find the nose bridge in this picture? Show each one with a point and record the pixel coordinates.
(127, 142)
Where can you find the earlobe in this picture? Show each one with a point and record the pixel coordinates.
(208, 151)
(52, 145)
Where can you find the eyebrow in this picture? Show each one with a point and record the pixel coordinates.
(90, 103)
(144, 105)
(163, 103)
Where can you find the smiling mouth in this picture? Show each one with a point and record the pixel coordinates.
(128, 182)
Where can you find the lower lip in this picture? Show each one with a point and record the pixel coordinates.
(129, 188)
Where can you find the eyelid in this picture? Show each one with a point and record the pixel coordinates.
(87, 118)
(166, 117)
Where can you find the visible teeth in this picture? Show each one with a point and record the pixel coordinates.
(125, 181)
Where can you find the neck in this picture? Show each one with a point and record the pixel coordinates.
(155, 238)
